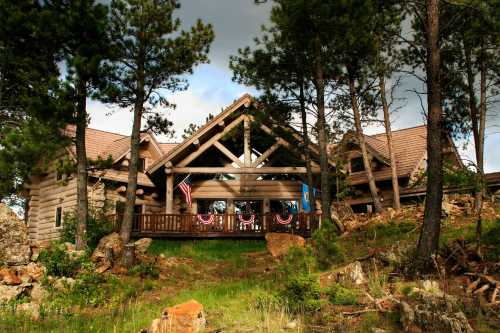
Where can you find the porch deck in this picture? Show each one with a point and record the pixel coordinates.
(222, 225)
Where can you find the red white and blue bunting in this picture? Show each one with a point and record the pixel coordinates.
(281, 220)
(209, 220)
(251, 220)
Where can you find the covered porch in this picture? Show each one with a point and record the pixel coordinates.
(223, 225)
(245, 175)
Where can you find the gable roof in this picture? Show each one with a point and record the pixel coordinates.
(102, 144)
(410, 147)
(246, 99)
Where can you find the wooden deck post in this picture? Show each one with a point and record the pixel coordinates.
(266, 216)
(246, 143)
(170, 194)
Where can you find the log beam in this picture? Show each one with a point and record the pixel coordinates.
(210, 142)
(266, 154)
(228, 153)
(249, 171)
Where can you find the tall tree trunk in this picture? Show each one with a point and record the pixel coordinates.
(388, 132)
(480, 147)
(474, 114)
(429, 237)
(307, 152)
(319, 82)
(361, 138)
(135, 138)
(81, 166)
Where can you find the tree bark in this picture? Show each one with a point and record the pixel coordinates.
(361, 139)
(480, 148)
(81, 166)
(307, 152)
(388, 132)
(429, 237)
(135, 138)
(319, 83)
(474, 114)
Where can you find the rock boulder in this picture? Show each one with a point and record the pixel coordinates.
(142, 246)
(431, 310)
(9, 277)
(278, 244)
(182, 318)
(14, 242)
(348, 275)
(110, 245)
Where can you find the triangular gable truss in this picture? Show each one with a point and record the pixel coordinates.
(243, 167)
(147, 137)
(351, 137)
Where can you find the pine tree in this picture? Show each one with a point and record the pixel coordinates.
(152, 55)
(32, 105)
(278, 68)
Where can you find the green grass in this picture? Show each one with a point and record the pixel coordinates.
(202, 250)
(228, 305)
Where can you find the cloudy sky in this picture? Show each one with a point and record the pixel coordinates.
(236, 23)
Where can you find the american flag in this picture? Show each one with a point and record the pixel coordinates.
(185, 187)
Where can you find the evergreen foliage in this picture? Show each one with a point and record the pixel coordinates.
(152, 55)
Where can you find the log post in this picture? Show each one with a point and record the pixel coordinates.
(267, 218)
(170, 194)
(246, 140)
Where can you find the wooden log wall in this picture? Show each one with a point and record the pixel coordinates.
(47, 194)
(258, 189)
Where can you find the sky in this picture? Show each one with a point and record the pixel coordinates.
(236, 23)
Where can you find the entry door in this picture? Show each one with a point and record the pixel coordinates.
(245, 211)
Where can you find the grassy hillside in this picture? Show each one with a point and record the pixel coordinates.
(241, 286)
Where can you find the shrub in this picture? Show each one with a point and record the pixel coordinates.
(339, 295)
(145, 270)
(492, 238)
(297, 260)
(58, 261)
(98, 226)
(327, 251)
(301, 293)
(88, 290)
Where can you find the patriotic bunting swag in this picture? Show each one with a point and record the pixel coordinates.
(280, 220)
(209, 220)
(251, 220)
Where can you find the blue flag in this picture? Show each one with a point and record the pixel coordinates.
(307, 206)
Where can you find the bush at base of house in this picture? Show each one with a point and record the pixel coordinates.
(59, 262)
(98, 226)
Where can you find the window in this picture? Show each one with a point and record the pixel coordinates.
(284, 207)
(357, 164)
(209, 206)
(58, 216)
(141, 165)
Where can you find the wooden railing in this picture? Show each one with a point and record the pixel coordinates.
(223, 225)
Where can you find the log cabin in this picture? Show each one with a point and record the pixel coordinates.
(410, 150)
(245, 173)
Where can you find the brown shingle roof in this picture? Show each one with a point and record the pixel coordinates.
(410, 145)
(122, 176)
(102, 143)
